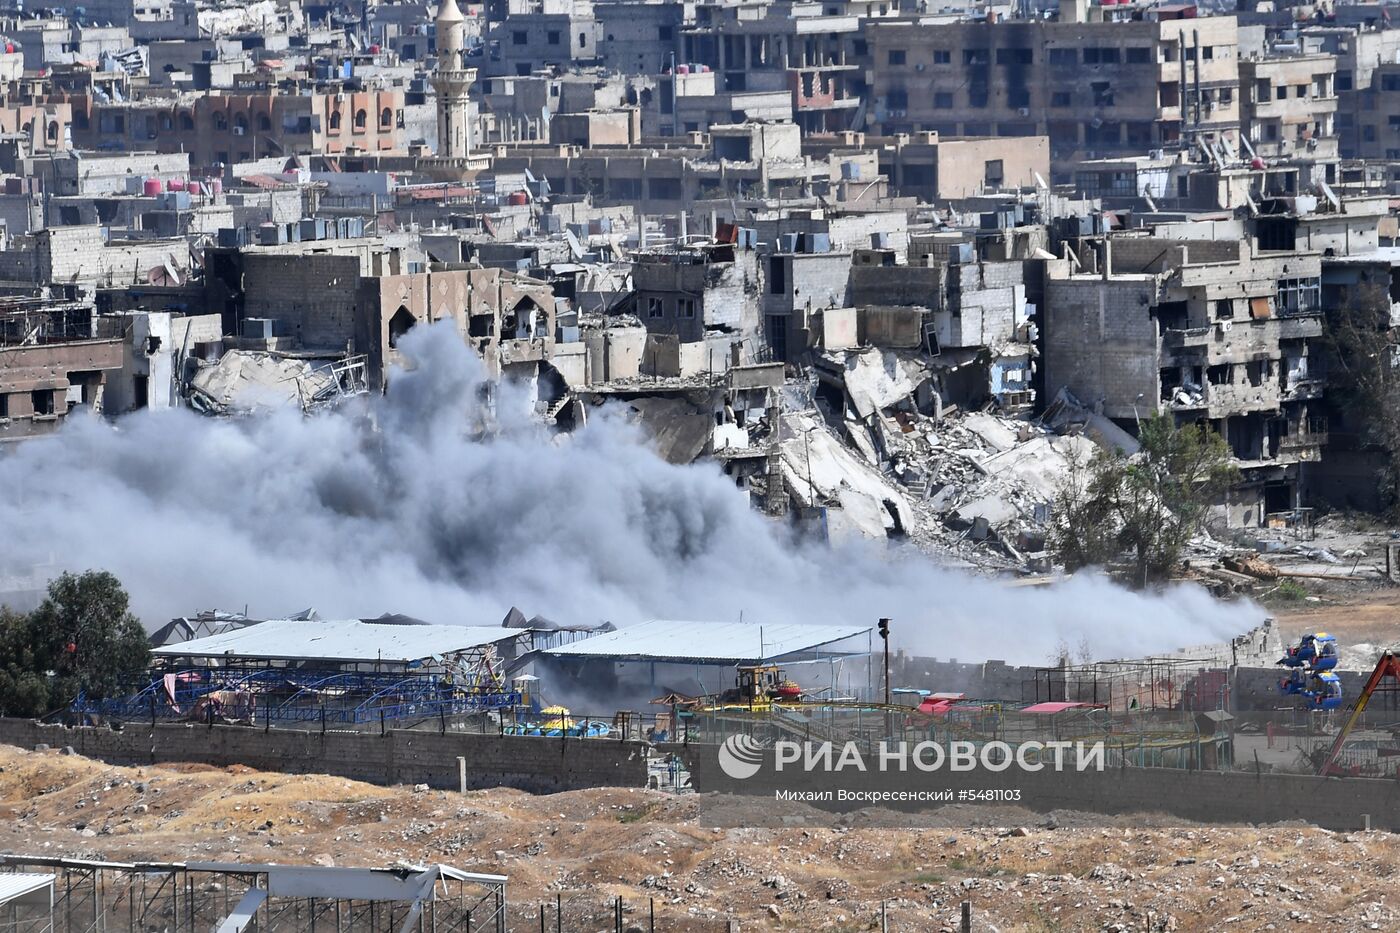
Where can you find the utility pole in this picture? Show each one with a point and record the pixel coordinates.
(885, 637)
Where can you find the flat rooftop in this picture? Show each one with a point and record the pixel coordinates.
(709, 642)
(349, 640)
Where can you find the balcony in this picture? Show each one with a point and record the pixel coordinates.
(1299, 325)
(1187, 338)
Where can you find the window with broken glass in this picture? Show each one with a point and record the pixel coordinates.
(1299, 296)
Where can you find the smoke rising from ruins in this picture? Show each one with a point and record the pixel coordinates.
(425, 517)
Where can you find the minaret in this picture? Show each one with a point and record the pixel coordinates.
(452, 80)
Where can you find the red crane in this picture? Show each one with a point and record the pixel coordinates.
(1384, 679)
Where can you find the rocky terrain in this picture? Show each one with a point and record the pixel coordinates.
(701, 861)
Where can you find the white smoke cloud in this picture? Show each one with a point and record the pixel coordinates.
(399, 505)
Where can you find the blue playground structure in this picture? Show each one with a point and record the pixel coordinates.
(1310, 665)
(279, 695)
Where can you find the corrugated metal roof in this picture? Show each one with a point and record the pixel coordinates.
(707, 642)
(19, 884)
(343, 640)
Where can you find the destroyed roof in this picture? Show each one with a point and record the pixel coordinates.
(340, 640)
(707, 642)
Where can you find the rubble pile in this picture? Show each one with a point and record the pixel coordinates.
(244, 382)
(976, 485)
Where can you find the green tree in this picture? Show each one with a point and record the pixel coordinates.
(1147, 505)
(1363, 380)
(82, 638)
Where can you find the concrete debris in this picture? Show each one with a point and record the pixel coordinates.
(244, 382)
(1067, 415)
(979, 485)
(875, 380)
(820, 472)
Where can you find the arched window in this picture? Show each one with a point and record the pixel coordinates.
(361, 118)
(240, 121)
(165, 121)
(401, 323)
(386, 117)
(220, 121)
(525, 320)
(264, 123)
(186, 120)
(335, 120)
(53, 132)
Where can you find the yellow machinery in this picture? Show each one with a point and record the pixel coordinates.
(759, 685)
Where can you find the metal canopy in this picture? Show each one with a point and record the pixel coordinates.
(707, 642)
(362, 884)
(17, 886)
(343, 640)
(112, 897)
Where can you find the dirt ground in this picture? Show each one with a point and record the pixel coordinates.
(1365, 617)
(784, 868)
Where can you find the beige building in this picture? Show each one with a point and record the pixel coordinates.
(1287, 104)
(1377, 116)
(1096, 89)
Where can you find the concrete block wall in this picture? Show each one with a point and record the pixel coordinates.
(312, 297)
(64, 254)
(920, 286)
(1206, 796)
(1101, 342)
(530, 763)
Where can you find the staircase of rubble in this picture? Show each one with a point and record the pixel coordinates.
(920, 488)
(556, 408)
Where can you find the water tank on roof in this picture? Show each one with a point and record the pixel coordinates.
(216, 186)
(518, 199)
(152, 187)
(195, 188)
(175, 184)
(683, 69)
(1256, 162)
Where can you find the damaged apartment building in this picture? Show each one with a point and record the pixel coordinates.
(360, 296)
(968, 317)
(1212, 332)
(700, 306)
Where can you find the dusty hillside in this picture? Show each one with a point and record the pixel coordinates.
(1020, 871)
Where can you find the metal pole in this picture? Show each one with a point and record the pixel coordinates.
(885, 637)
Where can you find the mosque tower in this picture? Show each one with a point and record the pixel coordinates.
(452, 81)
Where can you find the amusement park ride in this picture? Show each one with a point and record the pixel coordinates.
(1385, 679)
(1310, 673)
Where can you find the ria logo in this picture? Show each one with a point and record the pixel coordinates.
(740, 757)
